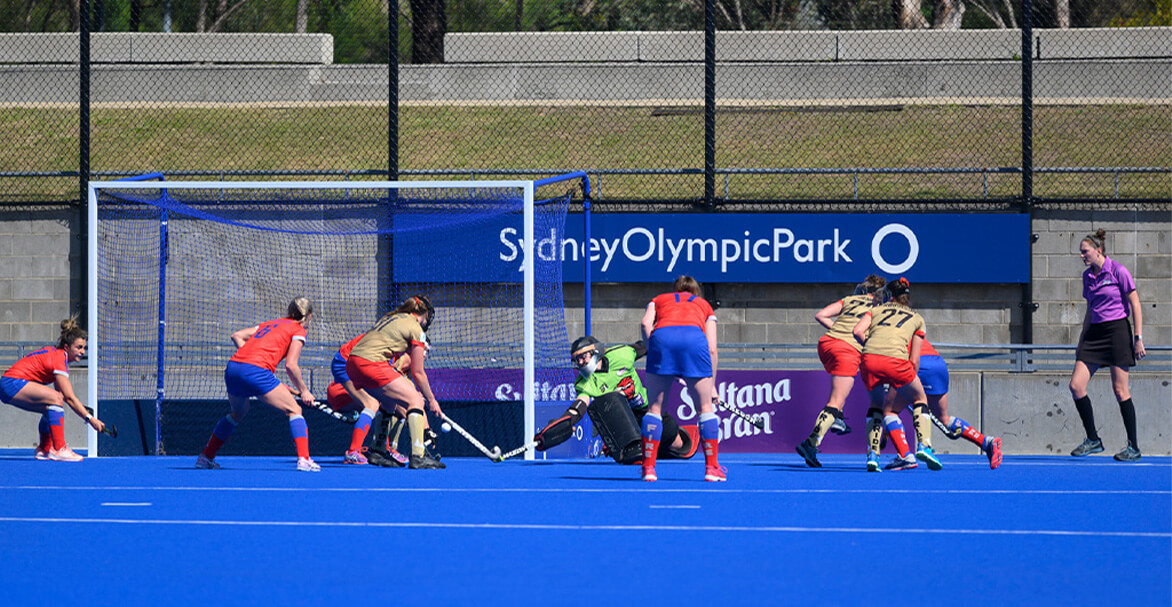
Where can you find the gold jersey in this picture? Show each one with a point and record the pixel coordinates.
(389, 337)
(892, 327)
(853, 308)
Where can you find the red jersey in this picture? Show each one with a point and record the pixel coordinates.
(681, 310)
(348, 346)
(270, 343)
(40, 366)
(927, 350)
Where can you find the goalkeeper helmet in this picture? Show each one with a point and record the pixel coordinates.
(586, 355)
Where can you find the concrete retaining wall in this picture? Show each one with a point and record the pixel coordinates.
(765, 84)
(802, 46)
(169, 48)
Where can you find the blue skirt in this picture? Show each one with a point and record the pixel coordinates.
(679, 351)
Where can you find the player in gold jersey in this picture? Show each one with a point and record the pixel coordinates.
(841, 355)
(892, 334)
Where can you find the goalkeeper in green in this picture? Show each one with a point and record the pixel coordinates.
(611, 393)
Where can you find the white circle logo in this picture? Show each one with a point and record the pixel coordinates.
(913, 248)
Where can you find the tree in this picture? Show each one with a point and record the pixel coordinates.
(428, 26)
(302, 16)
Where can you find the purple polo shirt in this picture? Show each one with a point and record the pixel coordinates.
(1106, 292)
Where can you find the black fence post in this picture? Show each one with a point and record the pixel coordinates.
(1027, 161)
(393, 92)
(709, 103)
(83, 154)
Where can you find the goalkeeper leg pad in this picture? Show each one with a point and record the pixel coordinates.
(691, 437)
(616, 425)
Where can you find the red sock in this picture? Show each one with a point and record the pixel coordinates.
(302, 444)
(972, 435)
(361, 428)
(57, 436)
(650, 450)
(900, 439)
(710, 452)
(46, 442)
(214, 444)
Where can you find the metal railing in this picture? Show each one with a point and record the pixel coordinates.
(1012, 358)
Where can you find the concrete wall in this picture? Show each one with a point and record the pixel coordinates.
(788, 46)
(168, 48)
(751, 84)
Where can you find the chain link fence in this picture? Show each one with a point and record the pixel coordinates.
(800, 103)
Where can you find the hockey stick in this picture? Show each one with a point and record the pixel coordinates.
(752, 419)
(325, 407)
(518, 450)
(939, 424)
(108, 429)
(494, 455)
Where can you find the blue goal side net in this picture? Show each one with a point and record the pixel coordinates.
(178, 267)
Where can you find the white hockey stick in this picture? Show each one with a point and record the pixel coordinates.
(494, 455)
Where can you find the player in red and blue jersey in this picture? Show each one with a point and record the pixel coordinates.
(933, 374)
(252, 372)
(680, 330)
(39, 382)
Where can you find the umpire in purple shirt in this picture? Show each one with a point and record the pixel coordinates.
(1106, 341)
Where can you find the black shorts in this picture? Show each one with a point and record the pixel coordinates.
(1107, 344)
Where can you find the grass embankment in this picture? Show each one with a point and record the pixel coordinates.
(460, 138)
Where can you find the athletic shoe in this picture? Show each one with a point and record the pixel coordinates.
(64, 454)
(425, 462)
(386, 459)
(872, 461)
(203, 462)
(994, 453)
(354, 457)
(1129, 454)
(304, 464)
(809, 452)
(1088, 447)
(649, 474)
(839, 427)
(40, 454)
(907, 462)
(928, 456)
(716, 474)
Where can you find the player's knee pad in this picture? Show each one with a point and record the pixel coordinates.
(615, 423)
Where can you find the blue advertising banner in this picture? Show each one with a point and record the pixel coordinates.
(759, 247)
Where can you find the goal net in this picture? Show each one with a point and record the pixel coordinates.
(176, 267)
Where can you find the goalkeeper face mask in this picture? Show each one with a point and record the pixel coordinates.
(587, 361)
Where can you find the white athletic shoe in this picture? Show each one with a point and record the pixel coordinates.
(304, 464)
(64, 454)
(202, 462)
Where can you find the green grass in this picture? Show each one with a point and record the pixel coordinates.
(594, 138)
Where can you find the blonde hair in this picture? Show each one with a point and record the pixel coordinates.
(70, 332)
(687, 284)
(300, 308)
(1097, 240)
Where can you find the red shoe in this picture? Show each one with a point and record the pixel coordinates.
(716, 474)
(994, 453)
(649, 474)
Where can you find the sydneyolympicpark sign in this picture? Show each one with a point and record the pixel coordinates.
(761, 247)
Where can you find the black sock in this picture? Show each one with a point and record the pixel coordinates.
(1128, 410)
(1088, 416)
